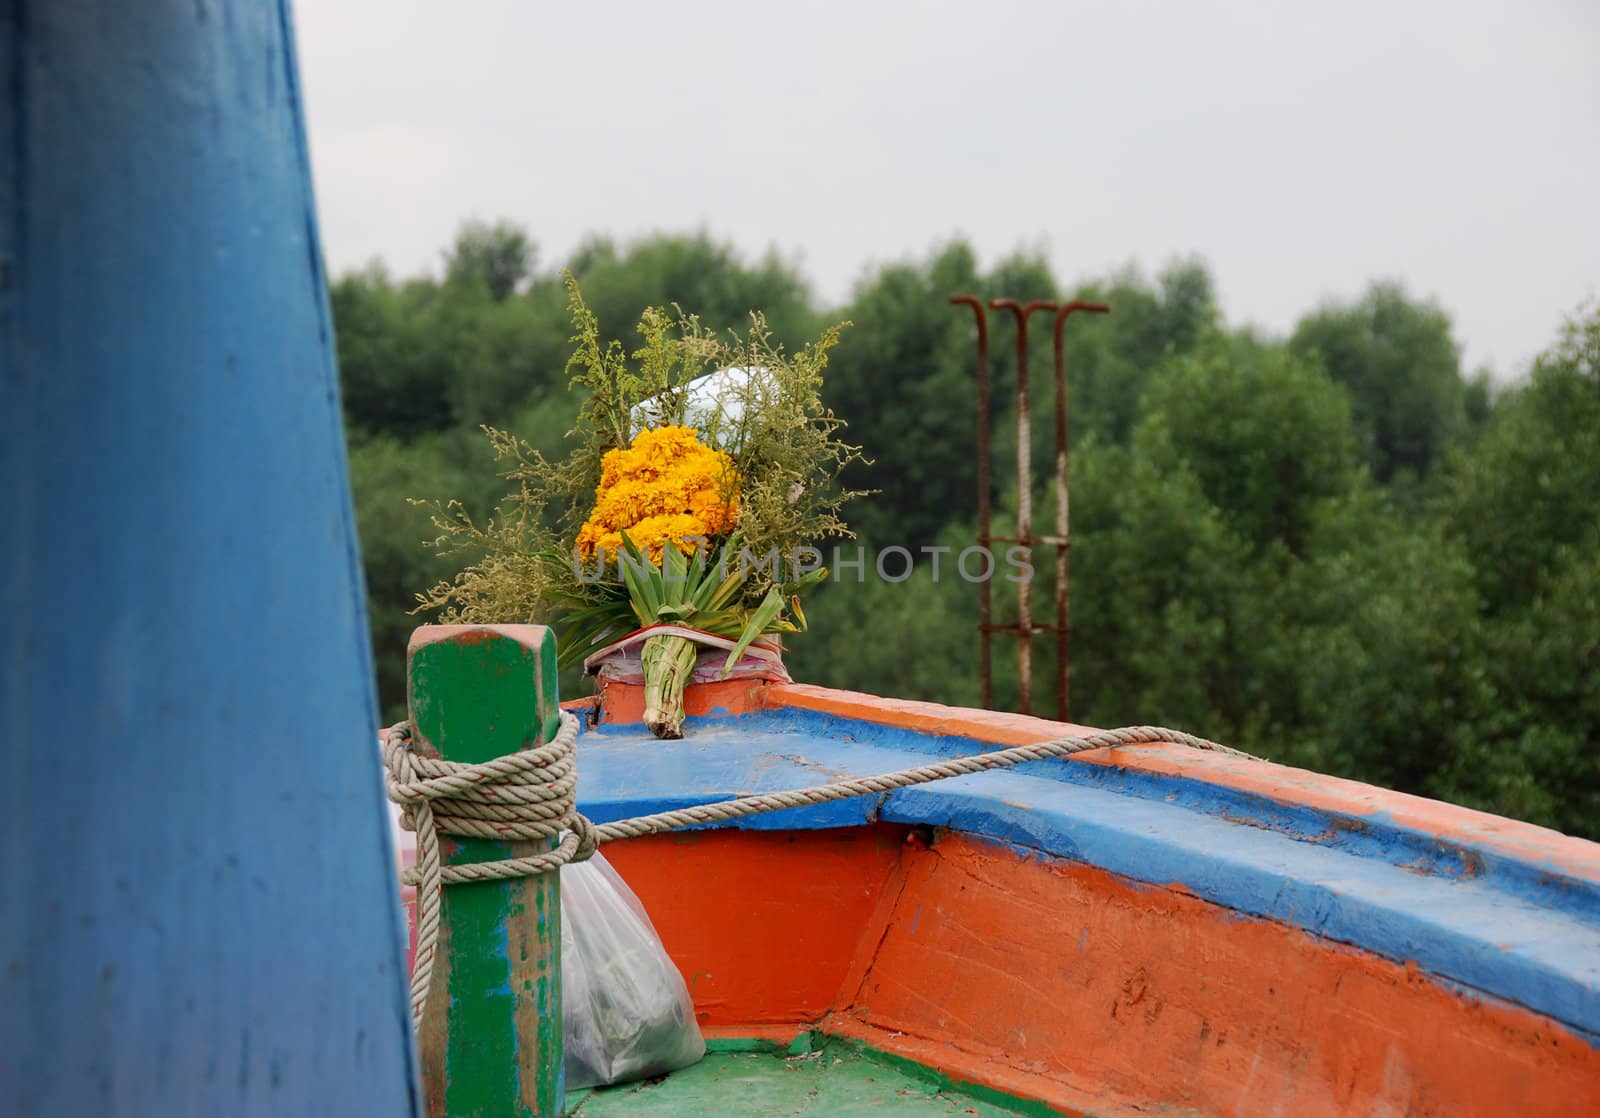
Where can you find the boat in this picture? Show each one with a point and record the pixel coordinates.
(1142, 930)
(200, 911)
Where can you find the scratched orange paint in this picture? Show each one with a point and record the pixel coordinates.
(771, 926)
(1061, 982)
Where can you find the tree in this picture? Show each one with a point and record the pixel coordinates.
(862, 629)
(706, 277)
(1528, 490)
(1265, 435)
(1396, 357)
(1534, 754)
(497, 257)
(1110, 358)
(902, 379)
(1373, 657)
(385, 382)
(1159, 577)
(1524, 507)
(385, 473)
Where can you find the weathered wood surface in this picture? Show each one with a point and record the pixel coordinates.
(198, 913)
(491, 1036)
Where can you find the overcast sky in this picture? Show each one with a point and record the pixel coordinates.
(1302, 149)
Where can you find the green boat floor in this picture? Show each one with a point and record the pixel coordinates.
(838, 1080)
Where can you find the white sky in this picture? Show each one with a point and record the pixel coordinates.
(1301, 148)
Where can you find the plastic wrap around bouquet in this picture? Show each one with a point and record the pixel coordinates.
(673, 542)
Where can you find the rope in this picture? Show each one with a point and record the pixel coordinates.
(523, 796)
(530, 795)
(724, 810)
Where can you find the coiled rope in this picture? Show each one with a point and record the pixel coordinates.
(526, 796)
(530, 795)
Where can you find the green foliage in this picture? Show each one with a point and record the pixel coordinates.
(698, 273)
(903, 376)
(1403, 371)
(1264, 435)
(1331, 549)
(910, 638)
(423, 357)
(1528, 491)
(384, 473)
(496, 257)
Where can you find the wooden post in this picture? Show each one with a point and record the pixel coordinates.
(491, 1038)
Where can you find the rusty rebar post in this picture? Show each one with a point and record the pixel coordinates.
(1025, 628)
(1063, 514)
(985, 668)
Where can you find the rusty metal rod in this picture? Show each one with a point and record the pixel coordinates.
(1024, 490)
(985, 668)
(1063, 626)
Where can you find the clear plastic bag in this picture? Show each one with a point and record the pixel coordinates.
(627, 1012)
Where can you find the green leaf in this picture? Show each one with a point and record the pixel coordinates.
(675, 575)
(644, 580)
(726, 593)
(697, 571)
(579, 639)
(724, 623)
(808, 580)
(760, 618)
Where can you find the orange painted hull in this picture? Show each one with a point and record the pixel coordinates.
(1061, 983)
(1256, 954)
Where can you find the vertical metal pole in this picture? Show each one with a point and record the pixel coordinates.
(985, 667)
(1063, 519)
(1024, 494)
(491, 1038)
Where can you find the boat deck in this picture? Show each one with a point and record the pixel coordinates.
(825, 1079)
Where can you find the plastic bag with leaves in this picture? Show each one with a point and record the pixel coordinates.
(627, 1012)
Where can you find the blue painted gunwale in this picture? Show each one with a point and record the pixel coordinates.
(1481, 921)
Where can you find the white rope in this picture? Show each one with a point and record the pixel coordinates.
(521, 797)
(531, 795)
(724, 810)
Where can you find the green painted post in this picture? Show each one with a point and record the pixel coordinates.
(491, 1037)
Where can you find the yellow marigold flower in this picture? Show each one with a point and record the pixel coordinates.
(716, 512)
(665, 486)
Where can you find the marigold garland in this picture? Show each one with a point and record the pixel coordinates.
(665, 486)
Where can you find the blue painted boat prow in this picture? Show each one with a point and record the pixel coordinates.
(197, 907)
(1514, 929)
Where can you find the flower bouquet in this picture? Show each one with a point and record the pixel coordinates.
(685, 512)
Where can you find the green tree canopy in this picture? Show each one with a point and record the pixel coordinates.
(1265, 436)
(497, 257)
(1402, 368)
(1528, 491)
